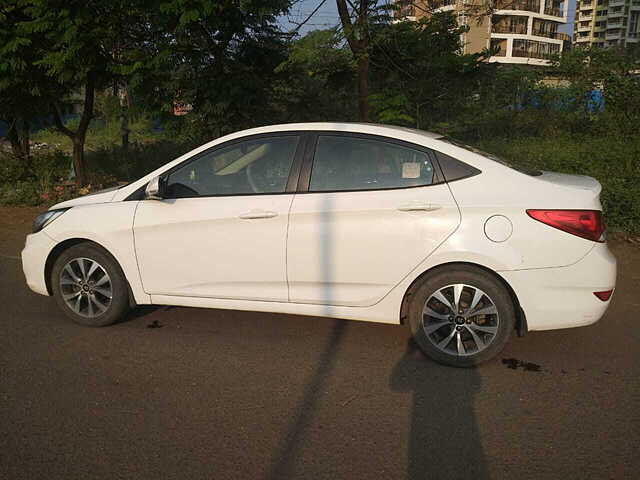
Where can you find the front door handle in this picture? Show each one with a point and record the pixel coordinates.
(416, 207)
(252, 214)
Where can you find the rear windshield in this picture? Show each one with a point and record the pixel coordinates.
(490, 156)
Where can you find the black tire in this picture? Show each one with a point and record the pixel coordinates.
(115, 308)
(474, 278)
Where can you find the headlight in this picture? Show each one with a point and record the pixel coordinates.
(46, 218)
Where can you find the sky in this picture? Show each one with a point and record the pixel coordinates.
(327, 16)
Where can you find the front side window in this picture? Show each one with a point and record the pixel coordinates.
(244, 168)
(352, 163)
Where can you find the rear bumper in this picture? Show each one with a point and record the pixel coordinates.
(563, 297)
(34, 257)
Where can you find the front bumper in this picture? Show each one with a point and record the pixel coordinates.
(563, 297)
(34, 258)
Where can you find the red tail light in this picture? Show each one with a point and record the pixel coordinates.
(583, 223)
(604, 296)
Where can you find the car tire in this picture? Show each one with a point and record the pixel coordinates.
(89, 286)
(476, 331)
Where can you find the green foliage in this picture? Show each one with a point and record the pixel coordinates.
(316, 80)
(103, 132)
(19, 193)
(138, 160)
(31, 184)
(419, 75)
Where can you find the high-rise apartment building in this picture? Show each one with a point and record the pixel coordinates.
(606, 22)
(522, 31)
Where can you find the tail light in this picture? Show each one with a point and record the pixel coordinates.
(604, 296)
(587, 224)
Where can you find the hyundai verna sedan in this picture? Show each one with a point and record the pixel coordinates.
(351, 221)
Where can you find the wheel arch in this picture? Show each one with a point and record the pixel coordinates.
(66, 245)
(521, 319)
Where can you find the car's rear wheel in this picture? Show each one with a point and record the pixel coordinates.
(89, 286)
(461, 316)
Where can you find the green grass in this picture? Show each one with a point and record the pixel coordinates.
(101, 134)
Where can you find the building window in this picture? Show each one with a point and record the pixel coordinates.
(501, 45)
(510, 24)
(534, 49)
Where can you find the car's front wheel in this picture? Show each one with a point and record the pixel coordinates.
(461, 316)
(89, 286)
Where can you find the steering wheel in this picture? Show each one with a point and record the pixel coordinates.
(251, 179)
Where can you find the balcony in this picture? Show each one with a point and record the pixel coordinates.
(584, 28)
(526, 5)
(618, 14)
(554, 35)
(584, 17)
(442, 4)
(616, 3)
(584, 39)
(518, 29)
(613, 35)
(553, 11)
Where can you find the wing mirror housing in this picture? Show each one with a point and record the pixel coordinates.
(156, 189)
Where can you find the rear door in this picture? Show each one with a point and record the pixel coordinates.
(374, 209)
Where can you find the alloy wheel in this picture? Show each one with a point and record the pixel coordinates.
(86, 287)
(460, 319)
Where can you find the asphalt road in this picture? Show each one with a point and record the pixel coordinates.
(189, 393)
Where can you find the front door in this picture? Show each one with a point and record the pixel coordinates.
(221, 233)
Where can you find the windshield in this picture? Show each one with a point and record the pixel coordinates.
(491, 156)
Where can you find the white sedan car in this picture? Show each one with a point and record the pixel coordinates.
(352, 221)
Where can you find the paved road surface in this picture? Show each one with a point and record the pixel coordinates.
(235, 395)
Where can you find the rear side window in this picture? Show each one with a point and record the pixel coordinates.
(454, 169)
(351, 163)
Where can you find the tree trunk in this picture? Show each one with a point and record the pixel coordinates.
(78, 137)
(357, 37)
(12, 135)
(363, 88)
(78, 162)
(26, 145)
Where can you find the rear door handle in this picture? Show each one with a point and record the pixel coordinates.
(416, 207)
(252, 214)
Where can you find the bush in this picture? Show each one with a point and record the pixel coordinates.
(19, 193)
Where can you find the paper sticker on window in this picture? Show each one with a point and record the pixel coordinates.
(410, 170)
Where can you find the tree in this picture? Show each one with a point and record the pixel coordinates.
(220, 58)
(419, 74)
(612, 71)
(356, 28)
(25, 89)
(317, 80)
(82, 46)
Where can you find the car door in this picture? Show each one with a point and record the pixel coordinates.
(374, 209)
(221, 231)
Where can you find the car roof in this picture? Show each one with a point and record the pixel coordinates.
(370, 128)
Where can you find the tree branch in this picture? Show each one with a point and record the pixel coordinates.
(57, 120)
(295, 30)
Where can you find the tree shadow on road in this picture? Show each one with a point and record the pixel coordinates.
(443, 441)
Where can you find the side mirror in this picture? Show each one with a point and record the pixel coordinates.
(156, 189)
